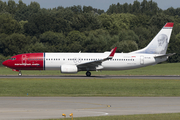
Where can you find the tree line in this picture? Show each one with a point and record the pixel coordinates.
(30, 28)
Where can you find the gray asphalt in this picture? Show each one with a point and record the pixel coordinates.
(98, 77)
(22, 108)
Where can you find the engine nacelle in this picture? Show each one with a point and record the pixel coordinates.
(69, 69)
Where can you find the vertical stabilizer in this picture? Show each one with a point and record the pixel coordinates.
(160, 42)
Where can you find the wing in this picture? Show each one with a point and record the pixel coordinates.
(94, 65)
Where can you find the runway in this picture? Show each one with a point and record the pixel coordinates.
(97, 77)
(17, 108)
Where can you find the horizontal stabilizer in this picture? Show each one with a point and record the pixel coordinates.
(167, 55)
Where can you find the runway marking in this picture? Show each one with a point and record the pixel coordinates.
(99, 114)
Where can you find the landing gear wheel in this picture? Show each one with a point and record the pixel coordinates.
(19, 74)
(88, 74)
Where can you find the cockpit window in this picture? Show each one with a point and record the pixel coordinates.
(12, 58)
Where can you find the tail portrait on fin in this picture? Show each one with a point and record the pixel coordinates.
(160, 42)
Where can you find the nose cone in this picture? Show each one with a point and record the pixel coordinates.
(5, 63)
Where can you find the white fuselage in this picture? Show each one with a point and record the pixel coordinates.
(120, 61)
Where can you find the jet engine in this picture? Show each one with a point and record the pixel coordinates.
(69, 69)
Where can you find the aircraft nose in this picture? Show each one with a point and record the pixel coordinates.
(5, 63)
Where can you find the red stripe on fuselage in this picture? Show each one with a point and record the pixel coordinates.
(29, 61)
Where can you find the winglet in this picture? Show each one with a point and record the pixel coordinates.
(112, 52)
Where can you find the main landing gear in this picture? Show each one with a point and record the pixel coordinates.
(88, 74)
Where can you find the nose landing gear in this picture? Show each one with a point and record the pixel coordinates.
(19, 74)
(88, 74)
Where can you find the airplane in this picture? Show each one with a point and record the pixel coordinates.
(68, 63)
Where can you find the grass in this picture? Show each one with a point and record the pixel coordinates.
(160, 69)
(169, 116)
(89, 87)
(98, 87)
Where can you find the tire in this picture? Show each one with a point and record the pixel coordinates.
(19, 74)
(88, 74)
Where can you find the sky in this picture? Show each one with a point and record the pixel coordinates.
(99, 4)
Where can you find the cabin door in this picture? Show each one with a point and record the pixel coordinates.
(24, 59)
(142, 60)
